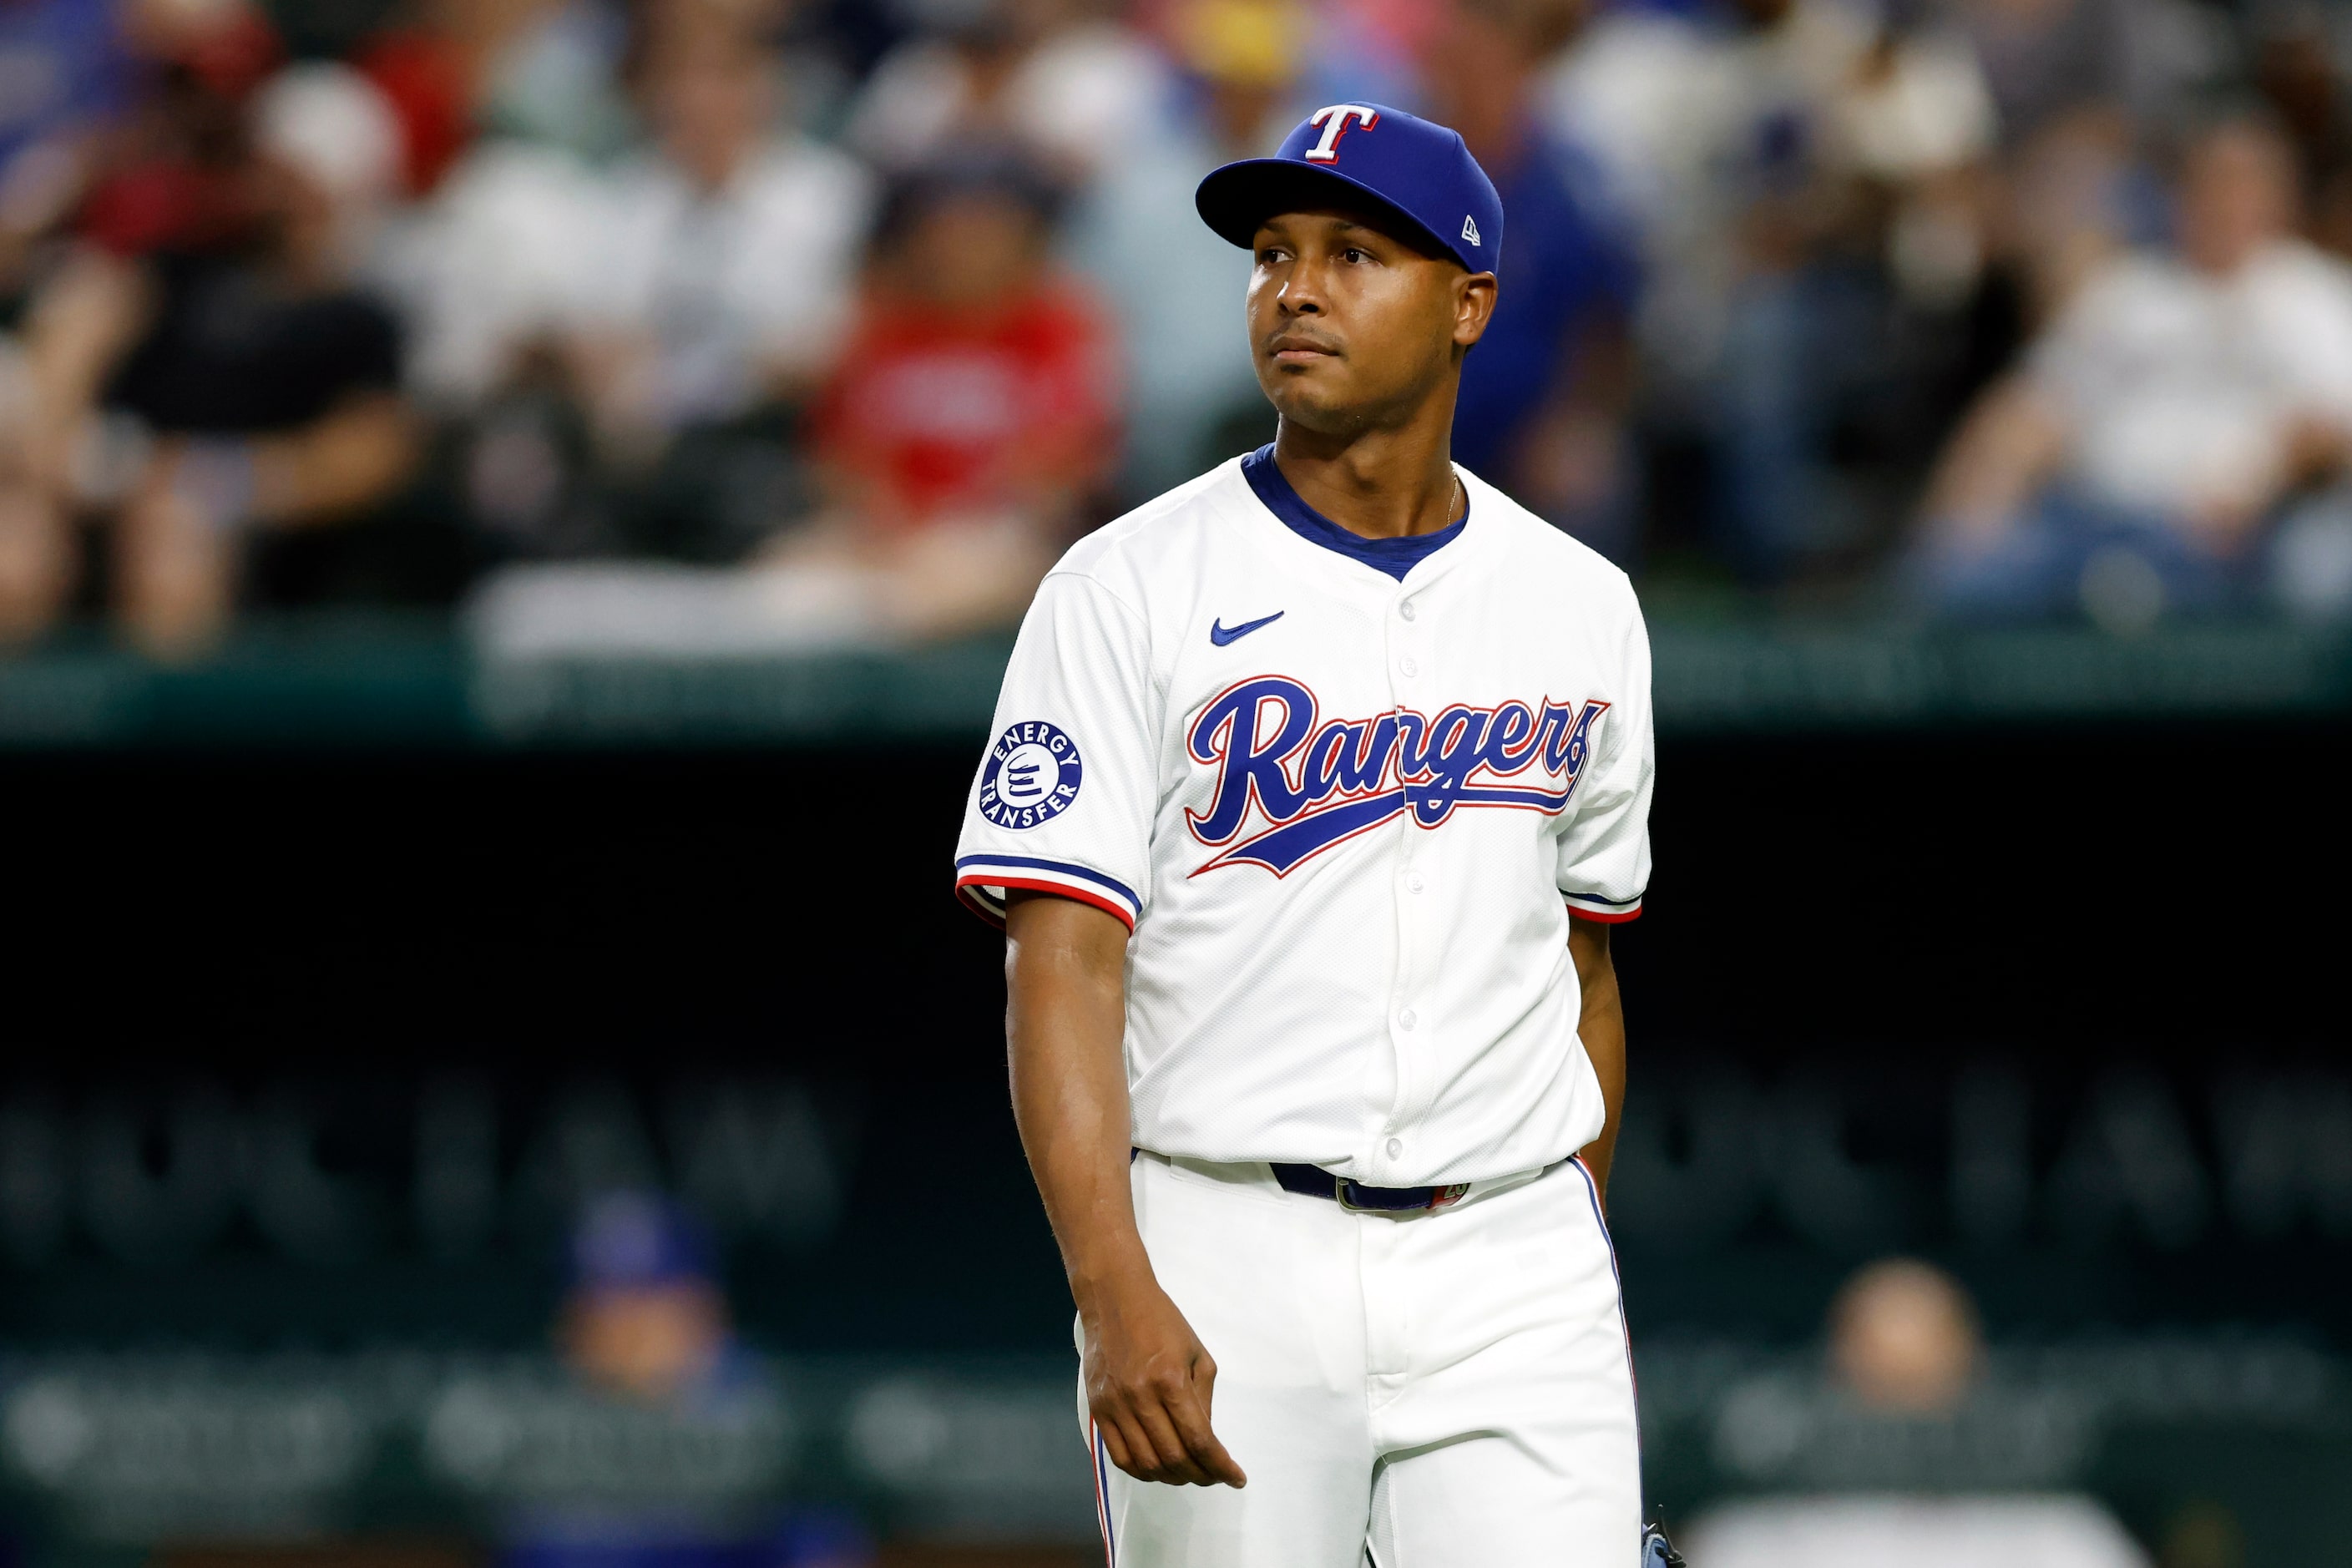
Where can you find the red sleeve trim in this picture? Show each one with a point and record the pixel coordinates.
(1617, 918)
(976, 905)
(1030, 884)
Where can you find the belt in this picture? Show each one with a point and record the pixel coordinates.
(1314, 1181)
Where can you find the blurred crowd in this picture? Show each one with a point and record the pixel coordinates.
(745, 324)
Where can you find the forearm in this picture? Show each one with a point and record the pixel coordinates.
(347, 460)
(1148, 1377)
(79, 327)
(2007, 448)
(1602, 1028)
(1064, 1026)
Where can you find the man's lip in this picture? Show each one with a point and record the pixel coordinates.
(1301, 348)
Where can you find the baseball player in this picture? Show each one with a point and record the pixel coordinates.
(1316, 786)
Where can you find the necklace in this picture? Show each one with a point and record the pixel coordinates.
(1457, 495)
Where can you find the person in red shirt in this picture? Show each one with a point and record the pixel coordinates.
(971, 419)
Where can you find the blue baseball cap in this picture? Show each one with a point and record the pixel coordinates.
(635, 1240)
(1366, 155)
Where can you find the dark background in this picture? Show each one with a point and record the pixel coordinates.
(1874, 911)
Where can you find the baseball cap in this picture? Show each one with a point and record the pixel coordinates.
(1365, 154)
(635, 1240)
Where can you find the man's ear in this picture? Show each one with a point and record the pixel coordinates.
(1473, 307)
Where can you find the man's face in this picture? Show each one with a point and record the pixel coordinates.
(2237, 195)
(971, 249)
(1350, 327)
(711, 108)
(652, 1342)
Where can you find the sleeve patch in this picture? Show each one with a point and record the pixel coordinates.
(1033, 776)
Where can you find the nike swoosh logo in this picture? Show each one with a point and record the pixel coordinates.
(1222, 634)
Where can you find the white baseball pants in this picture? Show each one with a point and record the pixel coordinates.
(1449, 1388)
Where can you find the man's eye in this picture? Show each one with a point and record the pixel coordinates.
(1353, 254)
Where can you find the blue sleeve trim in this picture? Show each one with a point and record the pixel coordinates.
(1028, 862)
(1597, 898)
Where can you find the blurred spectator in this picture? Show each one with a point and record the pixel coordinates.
(504, 260)
(428, 81)
(1798, 305)
(732, 249)
(1919, 121)
(2297, 73)
(1371, 51)
(1193, 399)
(2047, 60)
(65, 75)
(723, 287)
(973, 415)
(1053, 80)
(647, 1330)
(2175, 405)
(1843, 217)
(1544, 394)
(129, 130)
(645, 1319)
(1906, 1364)
(966, 430)
(1904, 1338)
(2071, 204)
(1765, 310)
(1919, 1532)
(173, 175)
(543, 71)
(246, 389)
(1633, 86)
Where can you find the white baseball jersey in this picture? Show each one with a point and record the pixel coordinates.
(1345, 794)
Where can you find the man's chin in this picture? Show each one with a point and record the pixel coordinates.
(1303, 402)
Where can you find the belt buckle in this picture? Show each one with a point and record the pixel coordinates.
(1439, 1197)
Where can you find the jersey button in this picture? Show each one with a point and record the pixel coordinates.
(1396, 1147)
(1408, 666)
(1407, 1019)
(1413, 881)
(1406, 610)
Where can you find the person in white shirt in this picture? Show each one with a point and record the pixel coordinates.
(1317, 786)
(1903, 1453)
(729, 255)
(1045, 80)
(2154, 432)
(715, 280)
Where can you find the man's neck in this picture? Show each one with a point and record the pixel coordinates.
(1382, 484)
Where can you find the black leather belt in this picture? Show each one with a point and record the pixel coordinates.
(1314, 1181)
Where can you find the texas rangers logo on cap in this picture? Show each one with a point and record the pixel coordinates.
(1417, 173)
(1335, 122)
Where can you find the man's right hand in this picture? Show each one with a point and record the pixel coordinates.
(1148, 1377)
(1148, 1382)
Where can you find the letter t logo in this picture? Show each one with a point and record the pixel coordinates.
(1334, 121)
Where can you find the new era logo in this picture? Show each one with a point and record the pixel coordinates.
(1470, 229)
